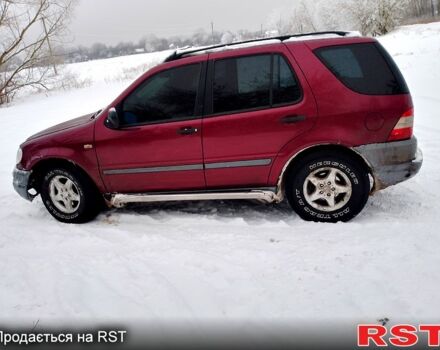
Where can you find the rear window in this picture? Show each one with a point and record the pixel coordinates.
(365, 68)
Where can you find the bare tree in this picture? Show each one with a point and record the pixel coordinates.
(301, 20)
(361, 13)
(423, 8)
(375, 17)
(298, 18)
(390, 14)
(29, 31)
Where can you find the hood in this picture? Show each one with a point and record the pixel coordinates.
(63, 126)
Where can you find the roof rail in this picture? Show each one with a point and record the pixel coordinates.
(177, 55)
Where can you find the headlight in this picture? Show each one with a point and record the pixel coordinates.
(19, 156)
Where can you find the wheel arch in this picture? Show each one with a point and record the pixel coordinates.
(334, 148)
(44, 164)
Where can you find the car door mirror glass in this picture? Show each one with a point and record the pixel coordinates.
(112, 121)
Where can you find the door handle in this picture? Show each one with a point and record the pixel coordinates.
(187, 130)
(292, 119)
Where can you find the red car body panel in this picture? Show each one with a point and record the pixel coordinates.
(157, 145)
(255, 134)
(334, 114)
(150, 146)
(346, 117)
(65, 141)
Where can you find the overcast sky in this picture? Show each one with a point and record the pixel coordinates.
(112, 21)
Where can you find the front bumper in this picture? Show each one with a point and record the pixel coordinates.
(392, 162)
(21, 183)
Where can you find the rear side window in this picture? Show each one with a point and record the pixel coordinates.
(365, 68)
(285, 87)
(253, 82)
(242, 83)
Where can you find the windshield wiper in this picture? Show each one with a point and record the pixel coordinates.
(95, 114)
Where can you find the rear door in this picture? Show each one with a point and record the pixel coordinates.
(256, 102)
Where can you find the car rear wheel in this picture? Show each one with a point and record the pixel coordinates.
(69, 196)
(325, 187)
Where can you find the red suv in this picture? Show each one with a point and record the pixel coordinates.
(324, 119)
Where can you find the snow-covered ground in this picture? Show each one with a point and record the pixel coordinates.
(227, 261)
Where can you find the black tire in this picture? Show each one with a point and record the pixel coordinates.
(83, 210)
(308, 168)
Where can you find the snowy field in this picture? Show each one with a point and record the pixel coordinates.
(231, 260)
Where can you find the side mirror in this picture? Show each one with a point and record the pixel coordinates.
(112, 121)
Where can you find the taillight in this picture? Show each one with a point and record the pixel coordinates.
(404, 127)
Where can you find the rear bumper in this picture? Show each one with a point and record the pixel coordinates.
(21, 183)
(392, 162)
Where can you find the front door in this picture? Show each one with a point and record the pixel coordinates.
(159, 146)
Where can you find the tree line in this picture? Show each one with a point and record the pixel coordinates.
(152, 43)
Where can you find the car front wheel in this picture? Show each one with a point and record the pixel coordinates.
(69, 196)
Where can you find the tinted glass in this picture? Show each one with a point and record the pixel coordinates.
(285, 86)
(166, 96)
(241, 83)
(364, 68)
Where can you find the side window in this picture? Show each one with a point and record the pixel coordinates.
(343, 62)
(245, 83)
(241, 83)
(168, 95)
(285, 86)
(365, 68)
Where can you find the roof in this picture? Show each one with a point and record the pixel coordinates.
(178, 54)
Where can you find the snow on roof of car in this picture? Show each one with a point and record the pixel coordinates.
(352, 34)
(192, 51)
(226, 47)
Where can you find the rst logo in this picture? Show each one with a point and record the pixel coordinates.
(402, 335)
